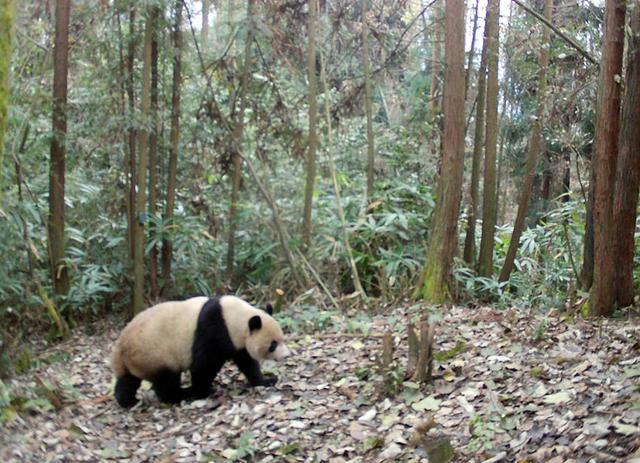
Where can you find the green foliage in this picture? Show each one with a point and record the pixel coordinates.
(244, 448)
(543, 267)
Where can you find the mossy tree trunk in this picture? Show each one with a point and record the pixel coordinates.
(7, 12)
(489, 206)
(60, 276)
(603, 289)
(533, 149)
(443, 239)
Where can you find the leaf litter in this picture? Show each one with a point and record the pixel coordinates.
(501, 392)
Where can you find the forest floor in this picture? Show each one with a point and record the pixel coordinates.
(516, 386)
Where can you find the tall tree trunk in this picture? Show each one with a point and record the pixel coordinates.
(313, 136)
(603, 290)
(367, 97)
(60, 276)
(7, 12)
(205, 24)
(628, 172)
(469, 253)
(238, 136)
(443, 240)
(485, 263)
(131, 54)
(167, 244)
(534, 149)
(153, 152)
(141, 196)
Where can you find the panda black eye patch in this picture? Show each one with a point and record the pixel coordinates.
(273, 346)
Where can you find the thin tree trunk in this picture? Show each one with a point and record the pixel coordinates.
(469, 253)
(131, 54)
(141, 197)
(153, 153)
(7, 12)
(367, 101)
(628, 173)
(534, 149)
(167, 244)
(60, 276)
(603, 290)
(313, 136)
(443, 240)
(238, 136)
(485, 263)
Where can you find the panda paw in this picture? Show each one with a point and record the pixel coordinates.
(268, 380)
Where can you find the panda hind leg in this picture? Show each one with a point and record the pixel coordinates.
(126, 388)
(167, 387)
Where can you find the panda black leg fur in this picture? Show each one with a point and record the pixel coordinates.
(167, 387)
(251, 369)
(126, 388)
(202, 375)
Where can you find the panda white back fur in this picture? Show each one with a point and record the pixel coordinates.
(200, 335)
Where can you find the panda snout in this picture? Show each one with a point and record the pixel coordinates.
(281, 352)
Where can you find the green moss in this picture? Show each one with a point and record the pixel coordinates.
(6, 34)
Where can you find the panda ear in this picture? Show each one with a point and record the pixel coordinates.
(255, 323)
(269, 309)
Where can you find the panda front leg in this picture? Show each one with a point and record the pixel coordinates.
(251, 369)
(202, 376)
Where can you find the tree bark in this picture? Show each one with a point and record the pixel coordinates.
(628, 171)
(167, 244)
(141, 196)
(469, 253)
(534, 149)
(238, 136)
(603, 290)
(443, 240)
(153, 152)
(313, 136)
(7, 13)
(367, 101)
(60, 276)
(485, 263)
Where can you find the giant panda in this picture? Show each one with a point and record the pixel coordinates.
(198, 334)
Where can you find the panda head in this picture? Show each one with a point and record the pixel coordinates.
(265, 340)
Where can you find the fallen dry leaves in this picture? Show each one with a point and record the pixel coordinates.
(573, 395)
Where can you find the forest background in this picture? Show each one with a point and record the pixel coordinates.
(331, 151)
